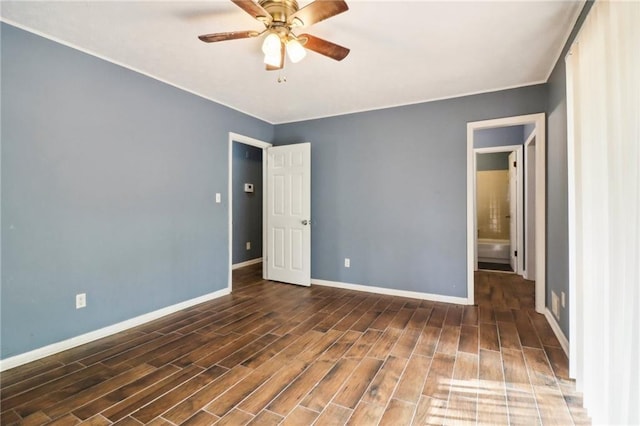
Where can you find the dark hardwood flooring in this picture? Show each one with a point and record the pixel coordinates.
(279, 354)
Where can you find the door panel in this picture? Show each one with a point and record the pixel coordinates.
(297, 249)
(297, 194)
(288, 213)
(278, 252)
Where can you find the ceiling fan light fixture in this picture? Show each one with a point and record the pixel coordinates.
(273, 60)
(295, 50)
(271, 45)
(281, 18)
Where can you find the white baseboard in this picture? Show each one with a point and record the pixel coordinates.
(557, 331)
(17, 360)
(246, 263)
(393, 292)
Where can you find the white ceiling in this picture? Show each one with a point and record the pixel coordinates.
(402, 52)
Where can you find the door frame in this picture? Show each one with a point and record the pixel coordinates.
(518, 149)
(540, 199)
(235, 137)
(529, 206)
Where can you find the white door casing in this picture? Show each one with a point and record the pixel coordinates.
(530, 208)
(288, 214)
(513, 212)
(521, 217)
(540, 201)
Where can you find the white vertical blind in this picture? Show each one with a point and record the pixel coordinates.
(604, 185)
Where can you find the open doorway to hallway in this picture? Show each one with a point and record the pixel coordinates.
(506, 199)
(247, 200)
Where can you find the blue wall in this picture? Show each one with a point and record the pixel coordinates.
(389, 189)
(247, 206)
(527, 130)
(557, 174)
(108, 187)
(498, 136)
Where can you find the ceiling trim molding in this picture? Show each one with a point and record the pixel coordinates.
(565, 39)
(424, 101)
(274, 123)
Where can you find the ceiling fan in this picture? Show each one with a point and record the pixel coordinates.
(280, 18)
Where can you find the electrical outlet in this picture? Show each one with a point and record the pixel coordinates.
(248, 245)
(554, 304)
(81, 300)
(562, 299)
(347, 262)
(218, 197)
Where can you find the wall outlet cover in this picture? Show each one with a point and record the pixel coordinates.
(81, 300)
(347, 262)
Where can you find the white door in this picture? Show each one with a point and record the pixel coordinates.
(288, 214)
(513, 211)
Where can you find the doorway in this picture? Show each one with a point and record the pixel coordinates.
(239, 140)
(247, 196)
(499, 209)
(534, 180)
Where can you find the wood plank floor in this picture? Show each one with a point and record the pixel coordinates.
(279, 354)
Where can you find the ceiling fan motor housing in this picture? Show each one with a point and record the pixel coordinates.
(280, 10)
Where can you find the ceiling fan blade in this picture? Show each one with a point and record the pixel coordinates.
(282, 52)
(210, 38)
(317, 11)
(323, 47)
(254, 9)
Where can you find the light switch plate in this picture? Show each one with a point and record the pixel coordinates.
(81, 300)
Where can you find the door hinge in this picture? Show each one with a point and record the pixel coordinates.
(515, 253)
(515, 164)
